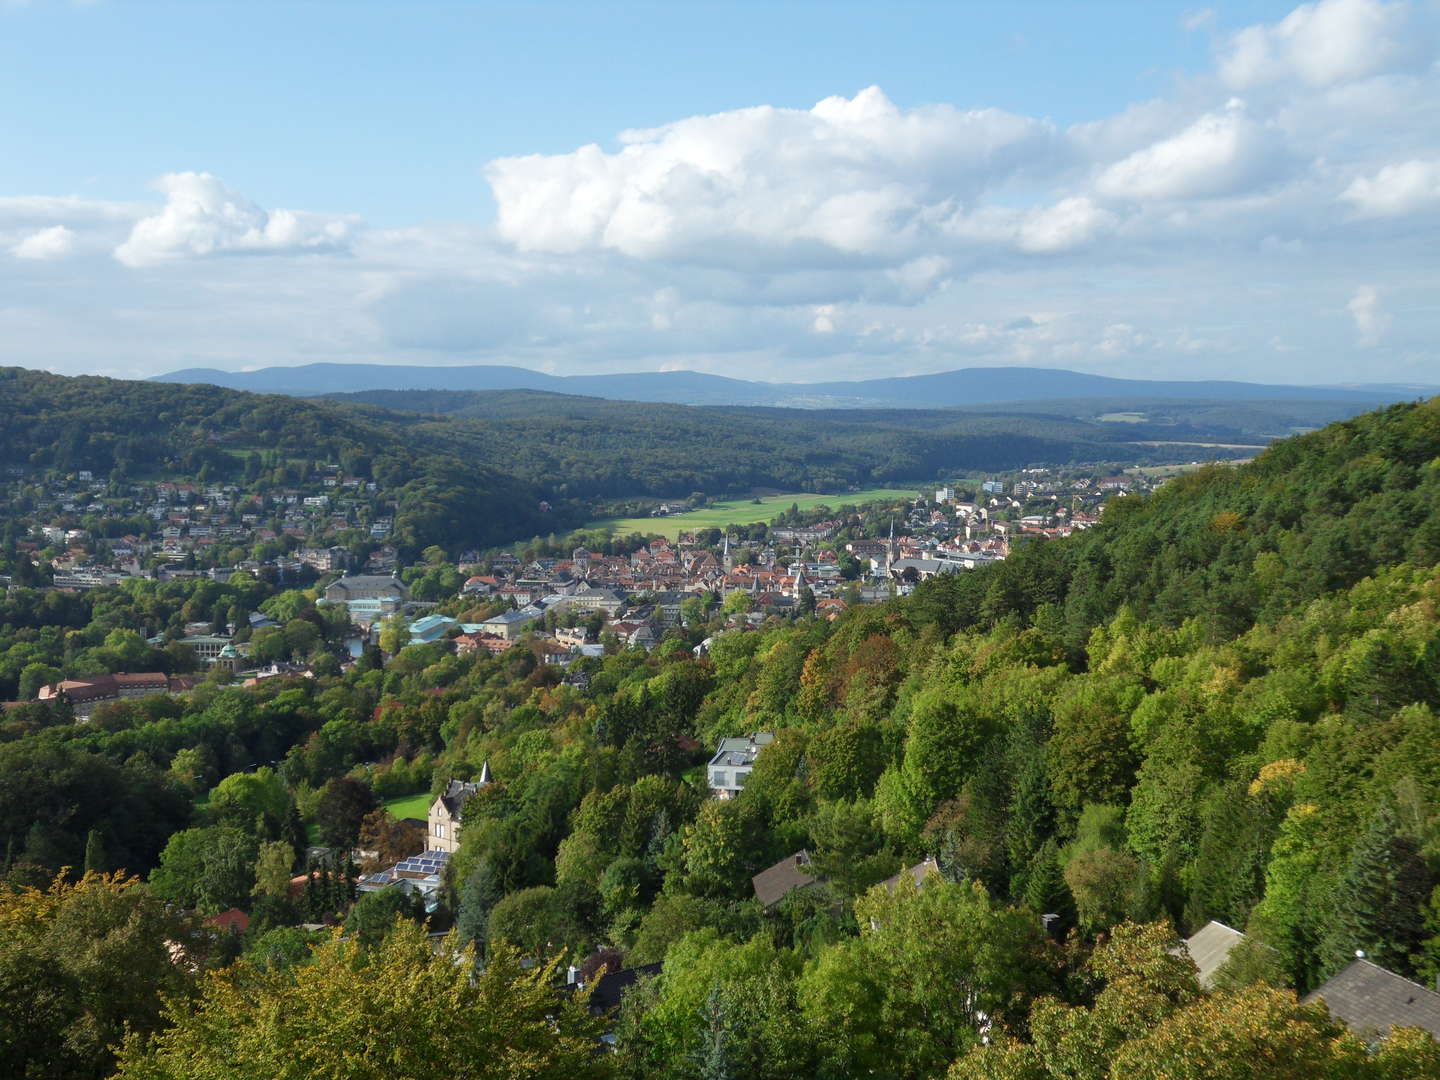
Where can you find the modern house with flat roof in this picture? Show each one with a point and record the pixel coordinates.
(420, 874)
(730, 767)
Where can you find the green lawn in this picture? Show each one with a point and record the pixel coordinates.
(1122, 418)
(403, 806)
(744, 511)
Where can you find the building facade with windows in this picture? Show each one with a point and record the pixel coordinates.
(730, 767)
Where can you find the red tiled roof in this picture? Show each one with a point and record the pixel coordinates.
(233, 920)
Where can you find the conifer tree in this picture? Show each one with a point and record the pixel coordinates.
(480, 892)
(713, 1060)
(1379, 900)
(1032, 818)
(292, 829)
(1045, 890)
(95, 858)
(1228, 875)
(312, 899)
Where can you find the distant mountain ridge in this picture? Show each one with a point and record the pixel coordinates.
(965, 386)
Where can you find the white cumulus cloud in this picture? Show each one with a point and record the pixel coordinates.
(1397, 190)
(53, 243)
(1329, 42)
(1219, 154)
(854, 176)
(1371, 321)
(202, 216)
(1070, 223)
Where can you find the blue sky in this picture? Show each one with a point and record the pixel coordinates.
(1240, 190)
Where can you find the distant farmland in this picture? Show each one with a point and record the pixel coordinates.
(744, 511)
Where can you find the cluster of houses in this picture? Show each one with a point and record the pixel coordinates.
(1368, 998)
(191, 522)
(194, 523)
(559, 605)
(211, 649)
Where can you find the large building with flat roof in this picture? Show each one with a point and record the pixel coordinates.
(369, 597)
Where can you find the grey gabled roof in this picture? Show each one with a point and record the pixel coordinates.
(1210, 947)
(457, 792)
(776, 882)
(918, 873)
(367, 581)
(1372, 1000)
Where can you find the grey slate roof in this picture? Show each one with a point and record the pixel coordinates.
(774, 883)
(368, 581)
(1372, 1000)
(458, 791)
(918, 873)
(1210, 947)
(927, 566)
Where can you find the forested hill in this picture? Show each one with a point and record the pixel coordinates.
(568, 451)
(590, 446)
(140, 430)
(960, 387)
(1311, 514)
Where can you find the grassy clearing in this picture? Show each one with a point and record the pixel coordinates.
(1122, 418)
(1176, 470)
(744, 511)
(403, 806)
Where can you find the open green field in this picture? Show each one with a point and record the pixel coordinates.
(1176, 470)
(744, 511)
(403, 806)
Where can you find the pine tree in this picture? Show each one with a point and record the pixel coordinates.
(477, 896)
(292, 829)
(713, 1060)
(313, 899)
(1379, 900)
(1045, 890)
(1032, 817)
(95, 858)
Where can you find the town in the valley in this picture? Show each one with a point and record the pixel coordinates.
(563, 601)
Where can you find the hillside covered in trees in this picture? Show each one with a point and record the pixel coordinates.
(1220, 703)
(126, 430)
(496, 455)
